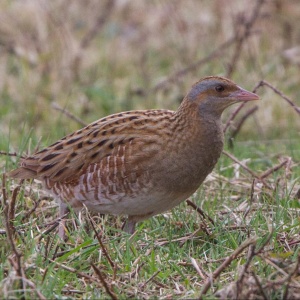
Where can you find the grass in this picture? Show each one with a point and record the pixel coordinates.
(138, 46)
(165, 245)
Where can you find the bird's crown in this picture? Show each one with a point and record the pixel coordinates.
(207, 83)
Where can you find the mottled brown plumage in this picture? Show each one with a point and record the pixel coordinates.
(138, 163)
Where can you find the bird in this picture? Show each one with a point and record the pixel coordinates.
(138, 163)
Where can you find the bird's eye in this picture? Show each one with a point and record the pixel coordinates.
(219, 88)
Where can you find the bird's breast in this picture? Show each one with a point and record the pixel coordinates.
(190, 157)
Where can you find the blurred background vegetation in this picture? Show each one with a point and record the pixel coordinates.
(95, 58)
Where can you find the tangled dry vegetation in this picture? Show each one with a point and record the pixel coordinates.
(66, 63)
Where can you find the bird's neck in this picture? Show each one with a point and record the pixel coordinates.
(198, 138)
(191, 149)
(197, 125)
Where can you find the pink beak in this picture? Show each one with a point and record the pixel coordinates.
(243, 95)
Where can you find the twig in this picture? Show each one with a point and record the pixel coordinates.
(68, 114)
(242, 37)
(72, 270)
(161, 285)
(276, 91)
(260, 250)
(239, 282)
(31, 211)
(4, 193)
(68, 291)
(199, 210)
(273, 169)
(297, 109)
(225, 264)
(241, 122)
(105, 252)
(8, 211)
(12, 205)
(151, 278)
(106, 11)
(195, 65)
(257, 86)
(92, 33)
(105, 284)
(137, 260)
(50, 243)
(278, 269)
(288, 279)
(197, 268)
(233, 115)
(34, 288)
(15, 154)
(241, 164)
(251, 200)
(56, 221)
(203, 227)
(54, 224)
(259, 286)
(138, 269)
(247, 169)
(47, 231)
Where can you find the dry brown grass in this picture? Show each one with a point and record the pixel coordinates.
(78, 53)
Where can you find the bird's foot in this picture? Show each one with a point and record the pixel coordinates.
(129, 226)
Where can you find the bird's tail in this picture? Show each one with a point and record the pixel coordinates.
(22, 173)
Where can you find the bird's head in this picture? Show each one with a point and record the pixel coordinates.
(213, 94)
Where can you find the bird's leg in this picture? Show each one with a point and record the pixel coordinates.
(63, 210)
(129, 226)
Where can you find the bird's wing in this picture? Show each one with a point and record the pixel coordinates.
(68, 158)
